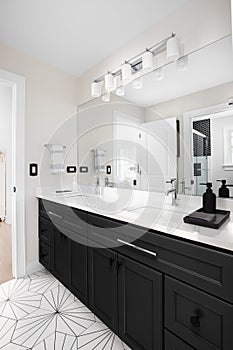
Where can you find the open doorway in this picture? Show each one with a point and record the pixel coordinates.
(12, 176)
(5, 182)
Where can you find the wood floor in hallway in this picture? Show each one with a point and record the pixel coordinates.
(5, 253)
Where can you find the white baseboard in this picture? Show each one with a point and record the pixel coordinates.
(33, 266)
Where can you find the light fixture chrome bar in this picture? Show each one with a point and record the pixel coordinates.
(136, 61)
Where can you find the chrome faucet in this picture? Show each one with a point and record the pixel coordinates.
(106, 181)
(173, 190)
(97, 187)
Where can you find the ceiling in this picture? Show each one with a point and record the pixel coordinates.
(208, 67)
(74, 35)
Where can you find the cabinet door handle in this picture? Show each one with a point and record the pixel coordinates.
(63, 236)
(55, 215)
(111, 261)
(195, 320)
(136, 247)
(118, 265)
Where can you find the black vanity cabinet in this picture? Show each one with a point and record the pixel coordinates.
(63, 245)
(156, 292)
(61, 256)
(102, 277)
(171, 342)
(46, 233)
(140, 305)
(78, 269)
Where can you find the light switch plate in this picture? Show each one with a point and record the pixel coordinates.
(33, 169)
(71, 169)
(83, 169)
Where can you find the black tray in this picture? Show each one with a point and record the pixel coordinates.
(221, 217)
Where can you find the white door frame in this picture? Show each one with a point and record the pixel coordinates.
(187, 133)
(18, 171)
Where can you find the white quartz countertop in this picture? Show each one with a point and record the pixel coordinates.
(150, 210)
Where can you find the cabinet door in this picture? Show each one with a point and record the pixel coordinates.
(61, 256)
(45, 255)
(140, 305)
(78, 269)
(102, 264)
(45, 230)
(174, 343)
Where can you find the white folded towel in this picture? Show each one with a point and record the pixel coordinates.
(99, 159)
(57, 159)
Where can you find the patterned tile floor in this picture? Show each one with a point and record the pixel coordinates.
(38, 313)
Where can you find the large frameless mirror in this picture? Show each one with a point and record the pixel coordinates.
(175, 122)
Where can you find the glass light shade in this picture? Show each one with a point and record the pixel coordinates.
(158, 74)
(126, 72)
(106, 97)
(173, 50)
(137, 83)
(96, 89)
(109, 82)
(120, 91)
(147, 61)
(182, 63)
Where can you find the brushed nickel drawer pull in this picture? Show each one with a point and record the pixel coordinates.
(56, 215)
(136, 247)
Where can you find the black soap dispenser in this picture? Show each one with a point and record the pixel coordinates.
(209, 199)
(223, 191)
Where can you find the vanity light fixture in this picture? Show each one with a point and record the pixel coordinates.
(173, 50)
(109, 82)
(120, 91)
(158, 74)
(106, 97)
(96, 88)
(230, 101)
(137, 83)
(182, 63)
(142, 62)
(147, 61)
(126, 72)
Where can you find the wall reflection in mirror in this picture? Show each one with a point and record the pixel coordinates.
(171, 132)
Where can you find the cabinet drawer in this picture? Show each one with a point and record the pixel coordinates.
(198, 318)
(75, 237)
(174, 343)
(102, 231)
(46, 206)
(206, 268)
(64, 216)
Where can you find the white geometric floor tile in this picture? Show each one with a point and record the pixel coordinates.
(15, 299)
(7, 327)
(39, 313)
(99, 337)
(58, 341)
(42, 282)
(59, 311)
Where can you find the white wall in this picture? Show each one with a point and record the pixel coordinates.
(51, 97)
(217, 151)
(5, 141)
